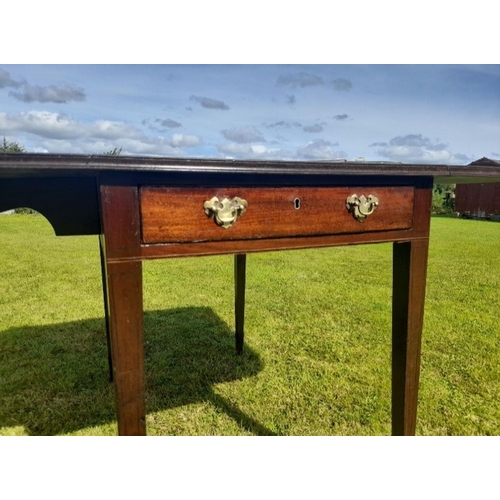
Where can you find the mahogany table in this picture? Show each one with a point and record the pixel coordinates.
(148, 208)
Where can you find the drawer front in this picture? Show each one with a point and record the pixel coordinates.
(176, 215)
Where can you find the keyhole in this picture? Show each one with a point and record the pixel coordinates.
(296, 203)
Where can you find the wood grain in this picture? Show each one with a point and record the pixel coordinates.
(126, 321)
(121, 240)
(160, 251)
(409, 281)
(171, 215)
(240, 263)
(120, 221)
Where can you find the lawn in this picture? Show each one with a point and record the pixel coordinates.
(317, 346)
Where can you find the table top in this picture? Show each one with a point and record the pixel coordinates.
(43, 165)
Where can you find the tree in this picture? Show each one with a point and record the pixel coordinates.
(11, 147)
(114, 152)
(443, 199)
(14, 147)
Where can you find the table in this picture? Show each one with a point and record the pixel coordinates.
(149, 208)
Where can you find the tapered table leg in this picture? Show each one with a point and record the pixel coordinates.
(240, 262)
(126, 322)
(121, 228)
(106, 304)
(409, 279)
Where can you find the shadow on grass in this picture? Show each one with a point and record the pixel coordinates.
(54, 379)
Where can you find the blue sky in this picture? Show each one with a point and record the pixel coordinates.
(409, 113)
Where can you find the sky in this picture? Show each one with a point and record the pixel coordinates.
(438, 113)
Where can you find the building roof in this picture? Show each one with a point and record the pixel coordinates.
(486, 162)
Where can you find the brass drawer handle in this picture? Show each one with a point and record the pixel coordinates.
(225, 212)
(361, 207)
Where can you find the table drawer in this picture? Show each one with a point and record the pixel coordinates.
(176, 215)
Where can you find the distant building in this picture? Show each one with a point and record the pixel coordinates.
(480, 201)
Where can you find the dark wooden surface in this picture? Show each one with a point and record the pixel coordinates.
(120, 220)
(104, 279)
(65, 188)
(69, 203)
(409, 269)
(240, 263)
(476, 199)
(100, 195)
(177, 214)
(409, 279)
(40, 165)
(408, 300)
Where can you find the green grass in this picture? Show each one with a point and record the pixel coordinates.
(317, 347)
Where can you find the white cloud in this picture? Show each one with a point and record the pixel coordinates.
(168, 123)
(155, 146)
(282, 124)
(260, 149)
(183, 140)
(57, 132)
(52, 93)
(316, 128)
(106, 129)
(300, 80)
(251, 151)
(304, 79)
(243, 135)
(6, 80)
(42, 123)
(418, 149)
(320, 149)
(208, 102)
(63, 146)
(314, 150)
(90, 145)
(342, 84)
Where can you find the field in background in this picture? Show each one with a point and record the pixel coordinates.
(317, 353)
